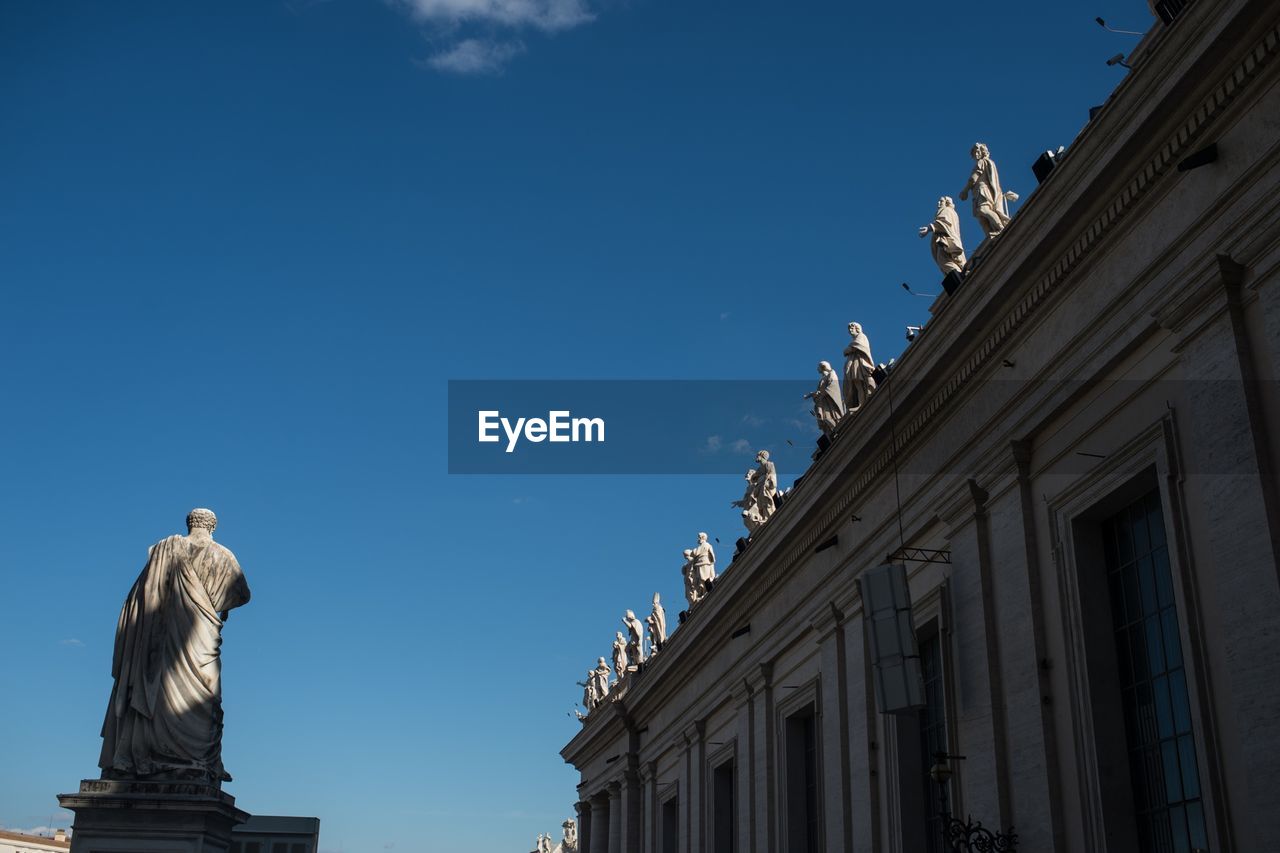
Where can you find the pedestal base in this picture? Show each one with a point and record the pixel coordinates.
(118, 816)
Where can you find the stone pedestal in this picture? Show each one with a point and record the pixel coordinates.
(118, 816)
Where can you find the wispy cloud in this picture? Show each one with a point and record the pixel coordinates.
(546, 15)
(483, 34)
(713, 444)
(476, 56)
(71, 641)
(741, 446)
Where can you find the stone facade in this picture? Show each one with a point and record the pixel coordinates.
(1107, 374)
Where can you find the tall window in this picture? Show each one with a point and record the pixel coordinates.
(933, 736)
(723, 817)
(1153, 683)
(804, 830)
(671, 825)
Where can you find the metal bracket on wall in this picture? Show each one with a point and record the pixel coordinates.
(920, 555)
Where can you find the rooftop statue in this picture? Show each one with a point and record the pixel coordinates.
(570, 842)
(948, 250)
(600, 681)
(544, 843)
(990, 202)
(589, 698)
(164, 720)
(657, 625)
(619, 657)
(828, 404)
(704, 565)
(692, 590)
(759, 502)
(859, 378)
(635, 637)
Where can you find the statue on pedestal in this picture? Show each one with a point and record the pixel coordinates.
(635, 638)
(544, 843)
(657, 625)
(828, 405)
(164, 720)
(946, 246)
(990, 202)
(570, 842)
(600, 682)
(859, 378)
(619, 657)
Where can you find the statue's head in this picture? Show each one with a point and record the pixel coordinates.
(657, 599)
(945, 202)
(630, 615)
(702, 537)
(688, 553)
(201, 518)
(979, 151)
(855, 328)
(619, 637)
(602, 663)
(824, 367)
(762, 456)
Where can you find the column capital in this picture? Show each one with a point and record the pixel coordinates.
(965, 501)
(826, 621)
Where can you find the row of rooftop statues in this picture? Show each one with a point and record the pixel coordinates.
(990, 208)
(830, 407)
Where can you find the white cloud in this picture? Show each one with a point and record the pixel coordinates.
(71, 641)
(482, 34)
(476, 56)
(713, 444)
(547, 15)
(741, 446)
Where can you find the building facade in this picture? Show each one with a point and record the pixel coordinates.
(21, 842)
(1075, 462)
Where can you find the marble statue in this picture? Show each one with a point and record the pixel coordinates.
(990, 202)
(619, 657)
(544, 843)
(859, 378)
(657, 624)
(691, 587)
(589, 698)
(600, 682)
(704, 565)
(570, 842)
(164, 720)
(947, 248)
(760, 499)
(635, 638)
(828, 404)
(751, 516)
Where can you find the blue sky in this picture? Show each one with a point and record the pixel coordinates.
(244, 245)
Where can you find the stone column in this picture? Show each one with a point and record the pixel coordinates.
(650, 811)
(632, 810)
(828, 629)
(615, 817)
(744, 771)
(765, 807)
(980, 706)
(599, 824)
(583, 808)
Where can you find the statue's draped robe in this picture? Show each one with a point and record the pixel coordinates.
(601, 682)
(704, 563)
(659, 616)
(828, 405)
(165, 713)
(948, 250)
(858, 367)
(987, 192)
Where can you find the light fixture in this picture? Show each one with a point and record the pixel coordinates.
(1118, 59)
